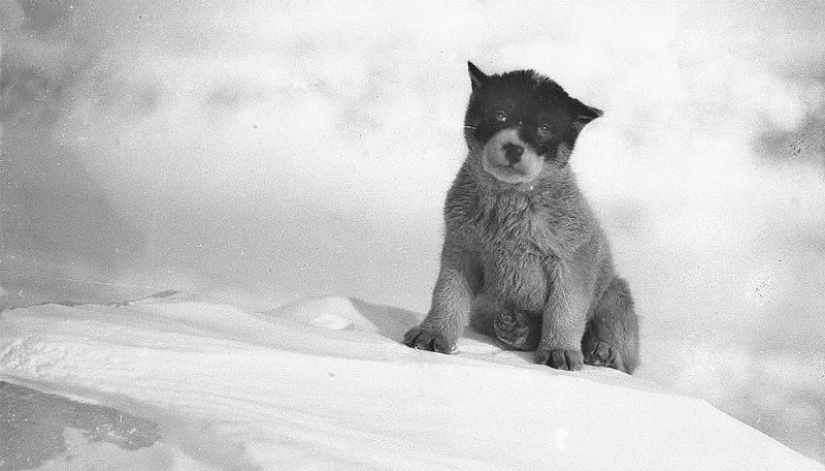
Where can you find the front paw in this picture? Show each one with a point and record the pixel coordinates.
(425, 339)
(560, 358)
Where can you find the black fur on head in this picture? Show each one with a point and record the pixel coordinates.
(543, 114)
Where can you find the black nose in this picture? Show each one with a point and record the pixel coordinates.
(512, 152)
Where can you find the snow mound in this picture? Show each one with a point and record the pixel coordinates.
(339, 313)
(325, 384)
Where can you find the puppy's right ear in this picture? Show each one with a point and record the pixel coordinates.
(477, 77)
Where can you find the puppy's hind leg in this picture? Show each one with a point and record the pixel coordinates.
(483, 313)
(518, 329)
(611, 337)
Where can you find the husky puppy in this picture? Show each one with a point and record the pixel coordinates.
(524, 258)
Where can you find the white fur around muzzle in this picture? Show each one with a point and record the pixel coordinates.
(496, 164)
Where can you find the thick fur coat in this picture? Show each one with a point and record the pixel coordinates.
(524, 258)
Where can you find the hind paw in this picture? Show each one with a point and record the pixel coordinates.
(603, 354)
(516, 329)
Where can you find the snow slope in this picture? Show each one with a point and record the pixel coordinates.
(325, 384)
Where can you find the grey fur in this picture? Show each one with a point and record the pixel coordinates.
(527, 256)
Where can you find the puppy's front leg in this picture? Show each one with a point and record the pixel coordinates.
(458, 281)
(564, 318)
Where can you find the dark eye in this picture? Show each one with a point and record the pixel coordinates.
(500, 116)
(545, 130)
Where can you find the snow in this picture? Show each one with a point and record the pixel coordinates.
(325, 384)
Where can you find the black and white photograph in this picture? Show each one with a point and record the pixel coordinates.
(384, 235)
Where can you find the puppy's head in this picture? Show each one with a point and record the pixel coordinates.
(520, 125)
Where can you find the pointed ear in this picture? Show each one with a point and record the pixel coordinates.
(583, 114)
(477, 77)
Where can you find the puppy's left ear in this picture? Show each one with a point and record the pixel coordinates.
(580, 115)
(583, 114)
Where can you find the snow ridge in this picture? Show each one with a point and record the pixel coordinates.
(325, 384)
